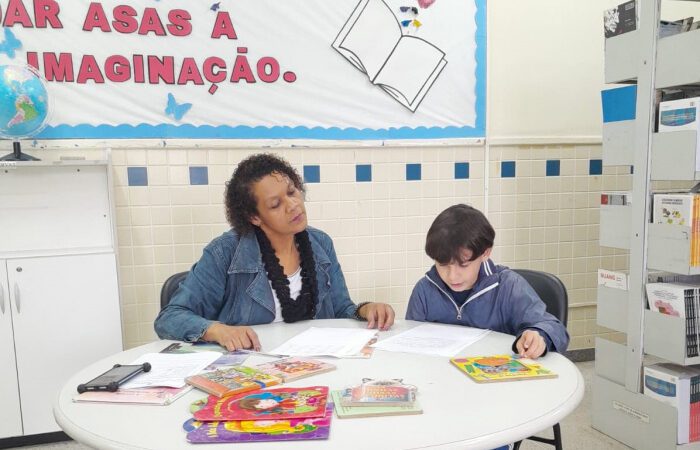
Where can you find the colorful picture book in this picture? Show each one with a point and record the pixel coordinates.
(380, 393)
(260, 430)
(271, 404)
(232, 380)
(159, 396)
(290, 369)
(490, 369)
(348, 412)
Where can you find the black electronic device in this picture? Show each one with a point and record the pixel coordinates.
(113, 378)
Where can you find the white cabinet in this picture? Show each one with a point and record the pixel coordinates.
(59, 295)
(10, 420)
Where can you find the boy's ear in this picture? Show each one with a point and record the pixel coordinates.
(487, 253)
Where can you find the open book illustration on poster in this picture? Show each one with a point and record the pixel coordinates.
(404, 66)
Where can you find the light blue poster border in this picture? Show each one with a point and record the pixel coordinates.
(166, 131)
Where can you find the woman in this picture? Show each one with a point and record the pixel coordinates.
(270, 267)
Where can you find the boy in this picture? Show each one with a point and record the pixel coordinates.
(465, 287)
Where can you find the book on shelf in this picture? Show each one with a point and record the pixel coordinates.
(160, 396)
(404, 66)
(349, 412)
(495, 368)
(226, 381)
(682, 209)
(678, 386)
(296, 429)
(680, 115)
(682, 301)
(379, 392)
(620, 19)
(269, 404)
(294, 368)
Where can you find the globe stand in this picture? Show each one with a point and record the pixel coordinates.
(17, 154)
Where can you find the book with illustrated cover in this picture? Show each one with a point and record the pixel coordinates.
(294, 368)
(270, 404)
(348, 412)
(144, 396)
(232, 380)
(620, 19)
(490, 369)
(260, 430)
(404, 66)
(379, 392)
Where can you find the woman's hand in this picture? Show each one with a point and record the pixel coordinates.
(379, 315)
(531, 344)
(232, 337)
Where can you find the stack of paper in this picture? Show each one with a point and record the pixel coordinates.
(431, 339)
(337, 342)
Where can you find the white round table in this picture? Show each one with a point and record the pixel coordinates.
(457, 412)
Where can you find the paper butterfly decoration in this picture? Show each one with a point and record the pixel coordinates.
(175, 109)
(10, 43)
(215, 6)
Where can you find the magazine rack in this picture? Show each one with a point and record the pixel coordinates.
(620, 409)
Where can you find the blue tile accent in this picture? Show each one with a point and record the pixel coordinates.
(413, 172)
(199, 175)
(137, 176)
(595, 167)
(619, 104)
(461, 171)
(507, 169)
(363, 172)
(553, 167)
(312, 174)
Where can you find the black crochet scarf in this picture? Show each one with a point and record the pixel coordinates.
(304, 307)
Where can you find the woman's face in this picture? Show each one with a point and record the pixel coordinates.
(280, 206)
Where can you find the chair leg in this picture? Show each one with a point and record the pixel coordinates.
(557, 437)
(555, 442)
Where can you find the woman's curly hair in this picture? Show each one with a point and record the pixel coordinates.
(241, 204)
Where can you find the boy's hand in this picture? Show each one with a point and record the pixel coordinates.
(531, 344)
(232, 337)
(378, 315)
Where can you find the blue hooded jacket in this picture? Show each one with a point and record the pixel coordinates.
(501, 300)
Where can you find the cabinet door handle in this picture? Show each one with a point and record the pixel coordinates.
(2, 299)
(17, 303)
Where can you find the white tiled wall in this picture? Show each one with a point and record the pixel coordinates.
(543, 222)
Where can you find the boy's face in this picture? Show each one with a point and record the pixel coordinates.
(462, 276)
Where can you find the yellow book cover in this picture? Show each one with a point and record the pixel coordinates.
(494, 368)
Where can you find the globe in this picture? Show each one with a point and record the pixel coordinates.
(24, 102)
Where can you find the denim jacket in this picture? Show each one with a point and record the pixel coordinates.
(229, 284)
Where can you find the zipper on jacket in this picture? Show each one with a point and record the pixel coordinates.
(457, 308)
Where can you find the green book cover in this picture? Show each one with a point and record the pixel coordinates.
(369, 411)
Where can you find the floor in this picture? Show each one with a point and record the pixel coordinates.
(576, 429)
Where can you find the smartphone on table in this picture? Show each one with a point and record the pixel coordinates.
(113, 378)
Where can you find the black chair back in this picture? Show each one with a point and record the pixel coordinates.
(551, 290)
(170, 286)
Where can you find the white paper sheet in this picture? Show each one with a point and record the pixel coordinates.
(432, 339)
(170, 369)
(338, 342)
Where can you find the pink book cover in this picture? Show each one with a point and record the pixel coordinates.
(260, 430)
(271, 404)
